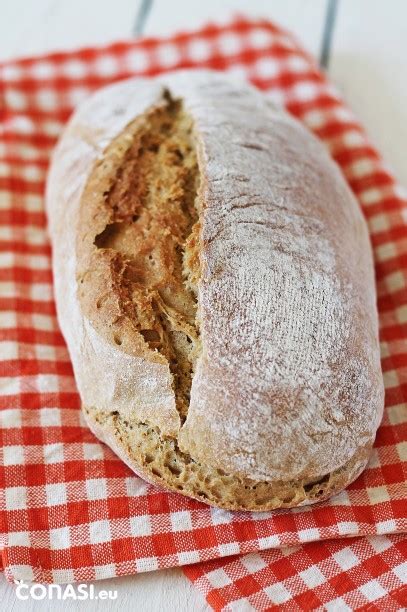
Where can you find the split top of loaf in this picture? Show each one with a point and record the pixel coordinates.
(215, 286)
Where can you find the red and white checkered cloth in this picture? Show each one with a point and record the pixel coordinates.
(70, 509)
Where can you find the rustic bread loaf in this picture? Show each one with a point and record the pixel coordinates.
(215, 286)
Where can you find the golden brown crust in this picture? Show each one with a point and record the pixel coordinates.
(251, 229)
(160, 461)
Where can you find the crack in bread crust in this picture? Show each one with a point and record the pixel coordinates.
(160, 460)
(152, 240)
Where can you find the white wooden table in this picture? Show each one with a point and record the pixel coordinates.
(368, 62)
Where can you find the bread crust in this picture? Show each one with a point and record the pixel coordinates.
(287, 391)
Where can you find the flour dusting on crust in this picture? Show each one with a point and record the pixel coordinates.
(288, 385)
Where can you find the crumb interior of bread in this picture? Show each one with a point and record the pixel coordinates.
(155, 230)
(162, 460)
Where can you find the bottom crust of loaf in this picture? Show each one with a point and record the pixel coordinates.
(159, 461)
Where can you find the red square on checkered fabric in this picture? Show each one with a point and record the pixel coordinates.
(70, 509)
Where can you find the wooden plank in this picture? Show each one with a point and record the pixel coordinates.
(303, 17)
(29, 28)
(369, 65)
(160, 591)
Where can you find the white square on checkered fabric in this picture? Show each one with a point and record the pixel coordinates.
(312, 577)
(43, 322)
(60, 538)
(218, 578)
(135, 486)
(7, 319)
(401, 571)
(386, 251)
(371, 195)
(12, 72)
(31, 172)
(229, 43)
(51, 127)
(99, 532)
(104, 571)
(137, 60)
(96, 488)
(39, 262)
(353, 138)
(168, 55)
(374, 461)
(92, 452)
(7, 233)
(315, 119)
(348, 528)
(42, 292)
(18, 538)
(13, 455)
(22, 572)
(50, 417)
(147, 564)
(5, 200)
(296, 64)
(253, 562)
(220, 517)
(10, 385)
(402, 451)
(63, 575)
(181, 521)
(266, 68)
(140, 525)
(401, 314)
(42, 70)
(199, 49)
(47, 99)
(337, 605)
(14, 99)
(395, 281)
(308, 535)
(258, 38)
(56, 493)
(345, 558)
(271, 541)
(10, 418)
(16, 498)
(372, 590)
(277, 593)
(305, 90)
(73, 68)
(378, 223)
(397, 414)
(386, 526)
(26, 152)
(232, 548)
(5, 169)
(33, 203)
(187, 557)
(377, 495)
(54, 453)
(391, 379)
(342, 499)
(76, 95)
(362, 167)
(379, 543)
(106, 65)
(240, 605)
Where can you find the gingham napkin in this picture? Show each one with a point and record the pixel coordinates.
(70, 509)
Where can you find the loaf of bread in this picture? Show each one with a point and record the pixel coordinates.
(215, 287)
